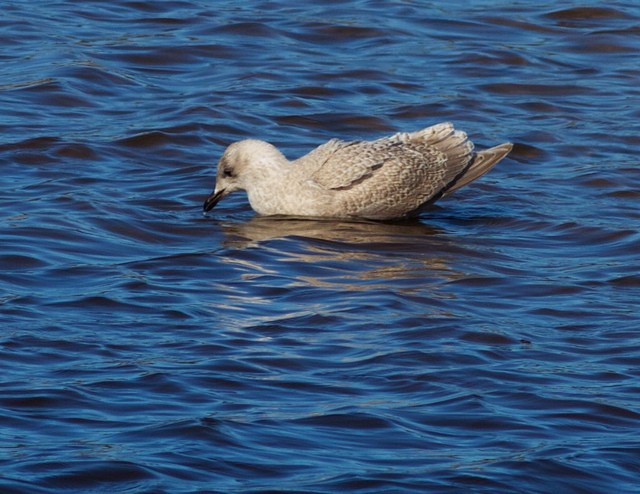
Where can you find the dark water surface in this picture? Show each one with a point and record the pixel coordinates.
(493, 346)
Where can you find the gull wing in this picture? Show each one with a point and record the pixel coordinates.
(427, 161)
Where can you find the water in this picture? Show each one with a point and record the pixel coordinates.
(492, 346)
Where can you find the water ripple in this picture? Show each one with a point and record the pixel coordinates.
(490, 346)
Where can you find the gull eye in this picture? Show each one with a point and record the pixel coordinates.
(227, 173)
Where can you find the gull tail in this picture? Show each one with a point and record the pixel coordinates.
(482, 162)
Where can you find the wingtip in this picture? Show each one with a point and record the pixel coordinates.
(507, 146)
(501, 150)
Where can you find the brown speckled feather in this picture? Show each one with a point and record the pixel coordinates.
(387, 178)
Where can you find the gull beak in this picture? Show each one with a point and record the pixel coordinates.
(212, 200)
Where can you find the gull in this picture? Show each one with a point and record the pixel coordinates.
(390, 178)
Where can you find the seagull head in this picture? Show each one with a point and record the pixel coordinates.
(242, 165)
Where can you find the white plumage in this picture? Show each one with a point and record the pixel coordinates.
(388, 178)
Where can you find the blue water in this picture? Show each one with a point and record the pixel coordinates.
(492, 346)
